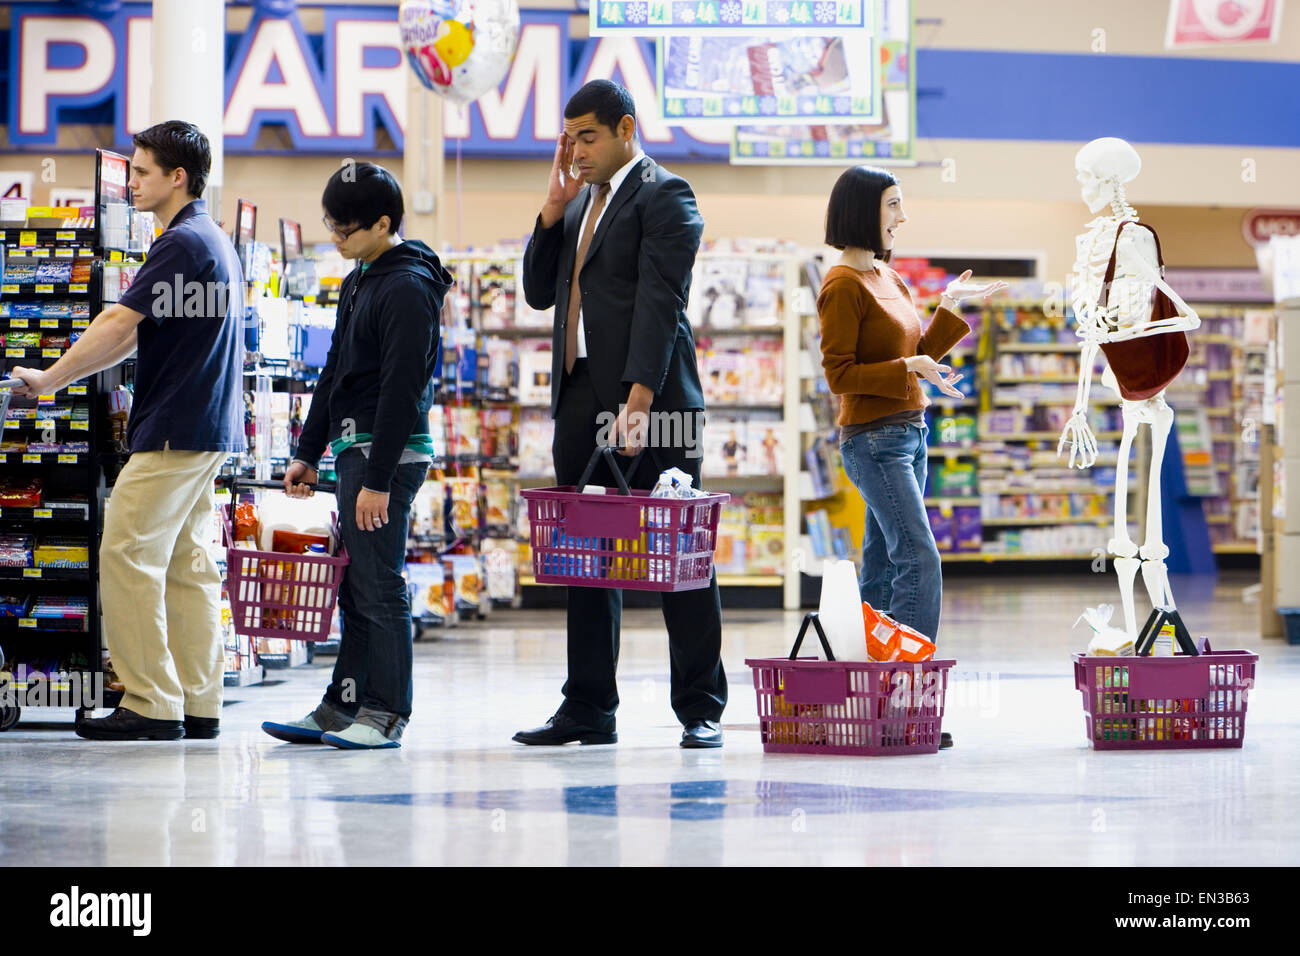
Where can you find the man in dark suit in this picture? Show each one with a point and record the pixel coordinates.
(612, 250)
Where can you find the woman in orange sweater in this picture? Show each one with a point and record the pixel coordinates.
(873, 350)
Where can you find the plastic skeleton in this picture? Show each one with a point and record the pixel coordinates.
(1104, 166)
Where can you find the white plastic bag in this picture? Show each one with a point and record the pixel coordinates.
(840, 611)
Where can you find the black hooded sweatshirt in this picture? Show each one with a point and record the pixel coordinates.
(378, 378)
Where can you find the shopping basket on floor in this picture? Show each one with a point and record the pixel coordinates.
(1166, 703)
(866, 708)
(278, 594)
(627, 540)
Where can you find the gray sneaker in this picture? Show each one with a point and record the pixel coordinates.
(305, 731)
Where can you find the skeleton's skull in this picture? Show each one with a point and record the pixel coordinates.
(1102, 166)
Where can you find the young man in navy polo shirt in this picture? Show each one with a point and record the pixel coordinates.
(183, 317)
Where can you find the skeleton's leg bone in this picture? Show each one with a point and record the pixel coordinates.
(1127, 569)
(1156, 578)
(1121, 544)
(1162, 419)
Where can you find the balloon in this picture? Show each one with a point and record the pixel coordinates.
(460, 49)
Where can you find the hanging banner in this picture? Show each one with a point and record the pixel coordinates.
(1216, 22)
(889, 141)
(761, 81)
(662, 18)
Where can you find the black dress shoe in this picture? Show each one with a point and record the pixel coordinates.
(564, 730)
(202, 728)
(123, 724)
(945, 740)
(702, 733)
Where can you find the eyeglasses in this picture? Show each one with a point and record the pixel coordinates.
(334, 230)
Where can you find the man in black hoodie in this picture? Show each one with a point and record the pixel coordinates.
(372, 405)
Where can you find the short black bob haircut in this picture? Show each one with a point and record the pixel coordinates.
(609, 101)
(853, 213)
(358, 194)
(176, 144)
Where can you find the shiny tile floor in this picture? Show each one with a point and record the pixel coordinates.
(1020, 787)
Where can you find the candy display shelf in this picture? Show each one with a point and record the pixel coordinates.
(51, 286)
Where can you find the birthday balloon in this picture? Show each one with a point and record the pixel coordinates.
(460, 49)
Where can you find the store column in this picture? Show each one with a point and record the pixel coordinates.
(188, 48)
(422, 166)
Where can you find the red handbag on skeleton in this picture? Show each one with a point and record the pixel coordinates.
(1145, 366)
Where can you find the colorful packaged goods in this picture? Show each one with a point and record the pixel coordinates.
(62, 552)
(20, 492)
(13, 605)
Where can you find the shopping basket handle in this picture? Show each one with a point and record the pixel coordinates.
(608, 452)
(327, 487)
(11, 383)
(811, 618)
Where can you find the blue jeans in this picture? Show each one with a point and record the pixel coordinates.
(901, 574)
(372, 676)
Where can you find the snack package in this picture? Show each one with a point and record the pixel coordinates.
(465, 570)
(425, 584)
(296, 542)
(55, 270)
(882, 634)
(61, 552)
(20, 492)
(913, 646)
(246, 526)
(23, 340)
(14, 605)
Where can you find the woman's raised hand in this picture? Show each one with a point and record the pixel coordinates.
(962, 288)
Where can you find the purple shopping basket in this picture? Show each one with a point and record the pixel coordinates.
(1165, 703)
(863, 708)
(628, 540)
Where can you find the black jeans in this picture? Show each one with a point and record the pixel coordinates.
(373, 670)
(693, 618)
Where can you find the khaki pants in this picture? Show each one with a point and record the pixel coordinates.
(159, 589)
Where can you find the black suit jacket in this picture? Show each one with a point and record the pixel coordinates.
(635, 281)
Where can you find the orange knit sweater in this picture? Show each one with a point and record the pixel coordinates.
(869, 325)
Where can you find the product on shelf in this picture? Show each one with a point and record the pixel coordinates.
(464, 503)
(536, 433)
(464, 570)
(61, 552)
(497, 433)
(18, 492)
(501, 568)
(60, 607)
(499, 499)
(425, 583)
(764, 439)
(535, 373)
(13, 605)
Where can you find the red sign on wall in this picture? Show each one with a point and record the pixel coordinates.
(1259, 225)
(1211, 22)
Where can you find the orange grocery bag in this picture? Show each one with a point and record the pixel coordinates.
(882, 634)
(887, 640)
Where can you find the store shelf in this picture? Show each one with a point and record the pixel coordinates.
(1236, 548)
(955, 502)
(954, 452)
(41, 625)
(1049, 347)
(20, 237)
(1041, 380)
(1027, 522)
(44, 457)
(41, 290)
(1046, 436)
(44, 574)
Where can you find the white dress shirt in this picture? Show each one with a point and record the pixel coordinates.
(614, 182)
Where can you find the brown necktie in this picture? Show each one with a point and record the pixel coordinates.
(575, 293)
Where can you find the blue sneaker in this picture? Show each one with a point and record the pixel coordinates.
(358, 737)
(305, 731)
